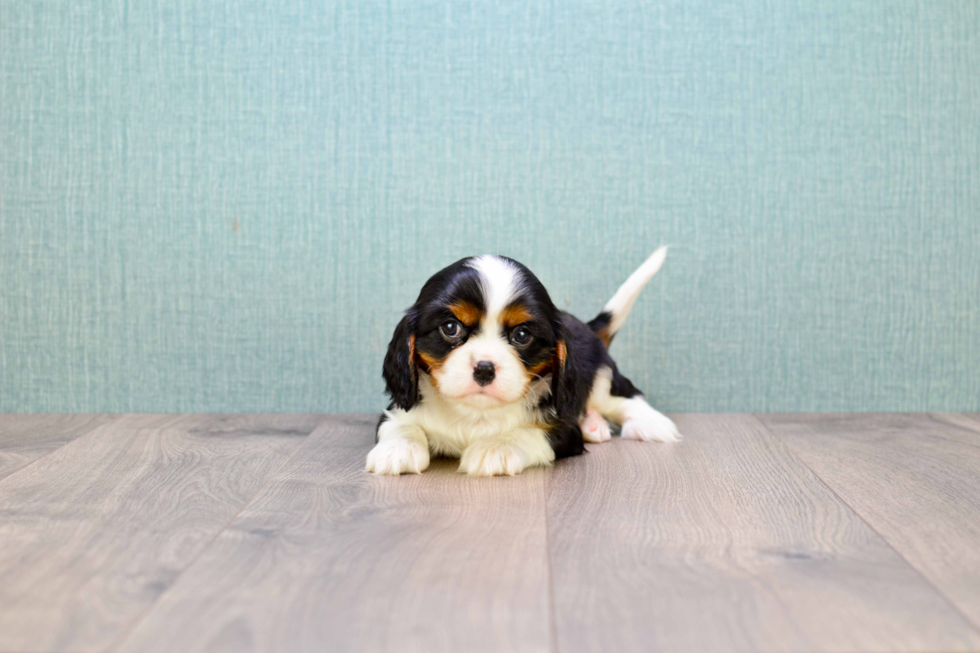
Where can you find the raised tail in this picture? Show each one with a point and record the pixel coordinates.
(614, 313)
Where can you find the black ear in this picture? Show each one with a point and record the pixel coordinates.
(569, 389)
(399, 371)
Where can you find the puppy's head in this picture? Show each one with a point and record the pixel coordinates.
(484, 329)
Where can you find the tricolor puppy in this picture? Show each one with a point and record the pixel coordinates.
(484, 368)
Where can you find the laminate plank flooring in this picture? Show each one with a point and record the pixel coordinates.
(726, 542)
(914, 478)
(969, 422)
(25, 438)
(94, 532)
(328, 557)
(818, 533)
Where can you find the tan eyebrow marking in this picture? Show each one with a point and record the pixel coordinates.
(466, 312)
(513, 315)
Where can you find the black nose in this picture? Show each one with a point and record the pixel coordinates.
(484, 372)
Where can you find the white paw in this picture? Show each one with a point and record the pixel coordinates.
(594, 427)
(650, 426)
(492, 459)
(398, 456)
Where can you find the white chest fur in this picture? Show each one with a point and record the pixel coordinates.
(451, 426)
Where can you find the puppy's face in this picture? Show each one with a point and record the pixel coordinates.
(484, 330)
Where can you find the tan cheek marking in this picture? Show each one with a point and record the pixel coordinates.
(513, 315)
(560, 352)
(431, 365)
(466, 313)
(540, 368)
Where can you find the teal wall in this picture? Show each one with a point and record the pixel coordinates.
(214, 206)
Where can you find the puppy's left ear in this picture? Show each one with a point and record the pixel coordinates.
(399, 371)
(569, 390)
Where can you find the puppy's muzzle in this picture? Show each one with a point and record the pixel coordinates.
(483, 373)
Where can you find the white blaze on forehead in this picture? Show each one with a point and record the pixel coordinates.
(500, 279)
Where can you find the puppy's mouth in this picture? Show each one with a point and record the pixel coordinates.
(480, 397)
(485, 395)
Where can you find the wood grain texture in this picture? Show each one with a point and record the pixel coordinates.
(914, 478)
(969, 422)
(25, 438)
(328, 557)
(93, 533)
(726, 542)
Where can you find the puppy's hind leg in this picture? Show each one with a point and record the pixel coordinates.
(642, 422)
(594, 427)
(637, 419)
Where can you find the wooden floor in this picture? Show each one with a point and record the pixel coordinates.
(262, 533)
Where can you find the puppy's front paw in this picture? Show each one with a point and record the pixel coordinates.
(492, 459)
(650, 426)
(398, 456)
(595, 428)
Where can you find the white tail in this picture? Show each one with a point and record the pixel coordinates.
(619, 306)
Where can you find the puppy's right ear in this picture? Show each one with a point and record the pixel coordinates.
(399, 371)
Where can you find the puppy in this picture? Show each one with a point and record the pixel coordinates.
(484, 368)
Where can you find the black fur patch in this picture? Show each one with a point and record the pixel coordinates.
(399, 371)
(601, 321)
(600, 325)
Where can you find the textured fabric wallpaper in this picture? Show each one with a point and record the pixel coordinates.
(225, 206)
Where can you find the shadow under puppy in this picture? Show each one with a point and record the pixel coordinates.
(484, 368)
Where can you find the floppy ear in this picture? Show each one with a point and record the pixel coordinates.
(399, 371)
(567, 388)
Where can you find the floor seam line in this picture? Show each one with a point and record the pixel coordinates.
(975, 430)
(119, 641)
(552, 622)
(116, 417)
(918, 572)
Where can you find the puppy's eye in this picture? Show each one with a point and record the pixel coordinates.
(520, 336)
(451, 329)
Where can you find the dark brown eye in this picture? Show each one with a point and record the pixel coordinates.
(451, 329)
(520, 336)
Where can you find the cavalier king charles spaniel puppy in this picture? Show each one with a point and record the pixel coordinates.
(484, 368)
